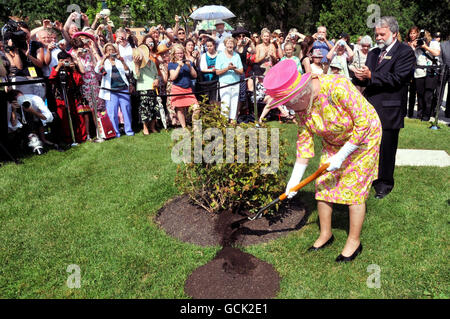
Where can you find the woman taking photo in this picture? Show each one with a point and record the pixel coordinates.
(182, 72)
(86, 53)
(229, 69)
(411, 38)
(146, 74)
(331, 107)
(426, 79)
(116, 87)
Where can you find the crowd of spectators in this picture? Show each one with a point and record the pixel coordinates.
(102, 72)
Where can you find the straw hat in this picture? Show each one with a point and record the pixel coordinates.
(283, 82)
(162, 48)
(144, 52)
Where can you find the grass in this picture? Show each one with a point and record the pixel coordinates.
(93, 206)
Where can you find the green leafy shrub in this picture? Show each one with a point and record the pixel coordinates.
(233, 182)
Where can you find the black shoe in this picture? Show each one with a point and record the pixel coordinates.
(329, 242)
(342, 258)
(380, 194)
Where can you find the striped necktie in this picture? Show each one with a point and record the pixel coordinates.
(382, 54)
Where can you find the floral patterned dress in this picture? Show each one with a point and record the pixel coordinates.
(341, 114)
(91, 83)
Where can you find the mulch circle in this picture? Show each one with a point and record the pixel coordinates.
(232, 274)
(190, 223)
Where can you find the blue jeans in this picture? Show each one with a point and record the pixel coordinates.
(112, 108)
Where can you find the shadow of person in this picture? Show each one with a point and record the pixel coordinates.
(339, 218)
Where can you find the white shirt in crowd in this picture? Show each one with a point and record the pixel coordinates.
(36, 103)
(219, 40)
(126, 52)
(47, 69)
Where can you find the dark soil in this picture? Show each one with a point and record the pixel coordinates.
(189, 223)
(232, 274)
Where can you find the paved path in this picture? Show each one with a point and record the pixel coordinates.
(409, 157)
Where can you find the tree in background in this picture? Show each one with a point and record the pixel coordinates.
(357, 17)
(348, 16)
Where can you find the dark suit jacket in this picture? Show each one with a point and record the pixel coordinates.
(445, 52)
(387, 90)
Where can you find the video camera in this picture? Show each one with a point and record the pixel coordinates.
(11, 31)
(421, 39)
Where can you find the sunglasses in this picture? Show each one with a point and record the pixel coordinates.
(181, 32)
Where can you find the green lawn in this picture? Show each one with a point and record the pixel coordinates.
(93, 206)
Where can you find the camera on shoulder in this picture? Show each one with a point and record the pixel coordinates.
(11, 31)
(421, 39)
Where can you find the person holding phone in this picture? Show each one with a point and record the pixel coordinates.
(114, 69)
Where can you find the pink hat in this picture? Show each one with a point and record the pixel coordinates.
(283, 82)
(90, 36)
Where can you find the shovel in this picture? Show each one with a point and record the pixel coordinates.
(296, 188)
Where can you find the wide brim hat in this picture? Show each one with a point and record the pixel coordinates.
(336, 64)
(144, 52)
(162, 48)
(219, 21)
(90, 36)
(240, 30)
(283, 82)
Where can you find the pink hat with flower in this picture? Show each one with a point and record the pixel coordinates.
(283, 82)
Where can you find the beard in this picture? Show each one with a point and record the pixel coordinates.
(384, 44)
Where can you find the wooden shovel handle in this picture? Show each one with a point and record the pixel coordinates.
(307, 180)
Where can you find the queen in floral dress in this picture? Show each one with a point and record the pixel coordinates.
(331, 107)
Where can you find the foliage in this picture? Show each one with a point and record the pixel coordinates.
(352, 16)
(339, 16)
(219, 186)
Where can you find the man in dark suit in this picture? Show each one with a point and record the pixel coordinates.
(445, 55)
(385, 76)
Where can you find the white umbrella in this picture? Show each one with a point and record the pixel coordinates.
(212, 13)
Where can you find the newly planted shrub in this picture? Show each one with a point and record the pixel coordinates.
(231, 166)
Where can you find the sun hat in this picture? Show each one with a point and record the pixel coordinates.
(219, 22)
(144, 52)
(162, 48)
(283, 82)
(240, 30)
(90, 36)
(317, 53)
(336, 64)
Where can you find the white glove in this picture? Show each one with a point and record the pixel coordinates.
(296, 177)
(337, 159)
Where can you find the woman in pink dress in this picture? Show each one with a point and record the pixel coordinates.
(331, 107)
(88, 57)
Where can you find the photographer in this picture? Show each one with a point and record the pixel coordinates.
(426, 75)
(26, 57)
(67, 76)
(341, 54)
(29, 113)
(125, 48)
(323, 45)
